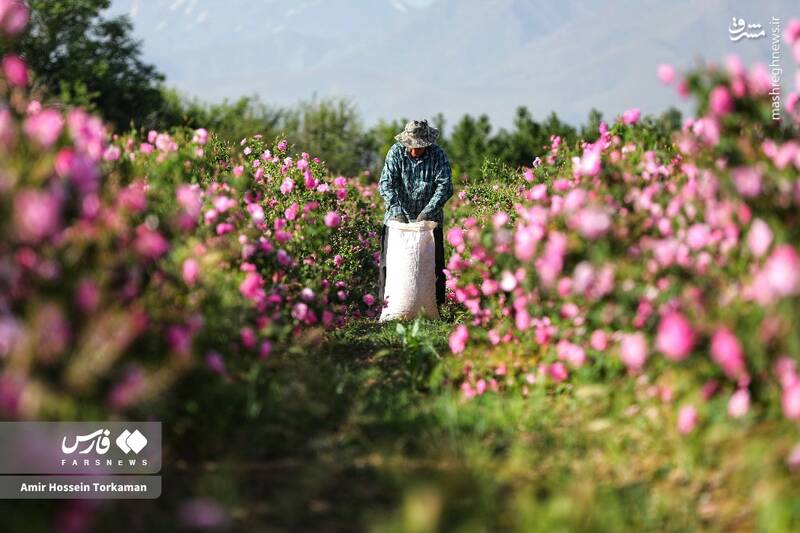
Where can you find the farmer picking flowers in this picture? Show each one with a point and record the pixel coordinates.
(415, 184)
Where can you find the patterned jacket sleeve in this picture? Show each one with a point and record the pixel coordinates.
(444, 184)
(387, 185)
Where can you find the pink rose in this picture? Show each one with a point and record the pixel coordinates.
(631, 116)
(785, 369)
(599, 340)
(287, 186)
(633, 351)
(759, 238)
(190, 271)
(215, 362)
(525, 240)
(558, 372)
(248, 337)
(593, 222)
(252, 287)
(747, 181)
(572, 353)
(455, 236)
(200, 136)
(44, 127)
(36, 214)
(666, 73)
(739, 403)
(698, 236)
(727, 352)
(792, 33)
(333, 219)
(782, 270)
(149, 243)
(687, 419)
(790, 401)
(675, 337)
(720, 101)
(14, 16)
(15, 70)
(458, 339)
(284, 259)
(589, 164)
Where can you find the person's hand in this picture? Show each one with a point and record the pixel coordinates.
(423, 216)
(400, 218)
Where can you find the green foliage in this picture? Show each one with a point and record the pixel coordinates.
(415, 458)
(469, 144)
(589, 131)
(231, 121)
(331, 128)
(419, 354)
(85, 59)
(383, 138)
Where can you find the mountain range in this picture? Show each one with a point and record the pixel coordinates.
(415, 58)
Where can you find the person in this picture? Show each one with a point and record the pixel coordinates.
(415, 184)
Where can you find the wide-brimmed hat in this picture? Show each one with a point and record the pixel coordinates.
(418, 134)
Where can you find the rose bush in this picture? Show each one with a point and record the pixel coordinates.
(676, 263)
(125, 260)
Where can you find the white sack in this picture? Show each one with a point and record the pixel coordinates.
(410, 287)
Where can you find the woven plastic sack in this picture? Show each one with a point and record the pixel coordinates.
(410, 288)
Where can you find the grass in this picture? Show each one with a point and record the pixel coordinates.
(369, 432)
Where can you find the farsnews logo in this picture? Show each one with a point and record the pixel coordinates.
(99, 442)
(131, 442)
(91, 447)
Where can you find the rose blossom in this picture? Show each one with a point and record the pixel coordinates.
(44, 127)
(15, 70)
(739, 403)
(599, 340)
(333, 219)
(759, 238)
(720, 101)
(190, 271)
(687, 419)
(666, 73)
(458, 339)
(558, 372)
(790, 401)
(36, 214)
(633, 351)
(675, 337)
(727, 353)
(782, 270)
(631, 116)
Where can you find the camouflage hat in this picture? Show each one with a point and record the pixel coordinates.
(418, 134)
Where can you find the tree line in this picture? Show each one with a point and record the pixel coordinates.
(81, 57)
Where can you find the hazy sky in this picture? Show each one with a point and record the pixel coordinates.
(413, 58)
